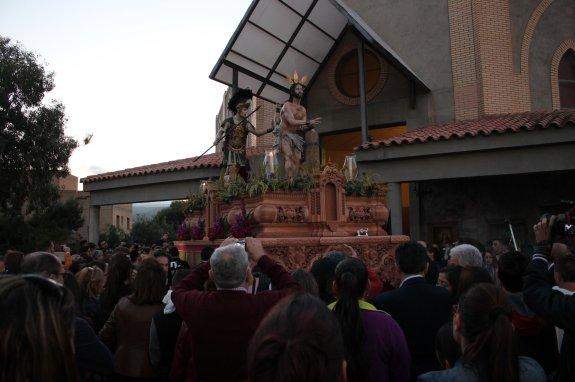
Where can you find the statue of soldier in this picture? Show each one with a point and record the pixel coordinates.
(234, 132)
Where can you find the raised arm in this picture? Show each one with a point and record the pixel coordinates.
(188, 292)
(280, 278)
(545, 301)
(538, 289)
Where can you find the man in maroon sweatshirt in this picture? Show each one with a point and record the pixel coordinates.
(221, 323)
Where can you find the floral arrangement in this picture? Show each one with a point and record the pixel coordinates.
(220, 230)
(259, 184)
(183, 232)
(244, 225)
(199, 230)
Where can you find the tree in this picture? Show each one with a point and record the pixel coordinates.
(170, 218)
(113, 236)
(33, 147)
(33, 152)
(147, 232)
(53, 224)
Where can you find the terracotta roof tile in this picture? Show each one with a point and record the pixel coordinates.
(209, 160)
(495, 124)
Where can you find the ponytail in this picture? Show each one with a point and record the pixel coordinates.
(491, 347)
(350, 282)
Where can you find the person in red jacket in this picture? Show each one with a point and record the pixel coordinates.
(222, 322)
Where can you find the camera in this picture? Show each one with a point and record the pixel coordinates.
(563, 227)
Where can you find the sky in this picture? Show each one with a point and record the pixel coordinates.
(134, 73)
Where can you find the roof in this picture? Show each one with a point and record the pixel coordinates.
(277, 37)
(209, 160)
(485, 126)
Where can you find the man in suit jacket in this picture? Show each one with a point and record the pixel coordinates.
(221, 323)
(420, 309)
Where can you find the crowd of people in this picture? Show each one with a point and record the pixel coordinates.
(471, 313)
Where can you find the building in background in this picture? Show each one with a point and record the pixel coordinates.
(119, 215)
(466, 108)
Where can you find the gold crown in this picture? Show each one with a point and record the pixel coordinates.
(294, 79)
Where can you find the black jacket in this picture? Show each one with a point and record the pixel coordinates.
(92, 356)
(165, 328)
(420, 310)
(555, 306)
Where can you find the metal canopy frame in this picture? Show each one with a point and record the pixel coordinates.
(277, 37)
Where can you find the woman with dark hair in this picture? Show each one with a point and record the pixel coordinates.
(12, 262)
(71, 284)
(375, 347)
(307, 281)
(34, 348)
(117, 283)
(434, 264)
(483, 328)
(323, 270)
(128, 327)
(90, 283)
(299, 340)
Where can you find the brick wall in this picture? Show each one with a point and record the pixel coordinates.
(484, 78)
(261, 120)
(465, 82)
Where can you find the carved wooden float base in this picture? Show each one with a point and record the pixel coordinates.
(300, 252)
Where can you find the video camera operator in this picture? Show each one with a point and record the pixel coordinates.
(554, 234)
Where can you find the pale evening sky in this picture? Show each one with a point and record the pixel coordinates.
(132, 72)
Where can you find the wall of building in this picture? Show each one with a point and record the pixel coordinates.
(390, 106)
(557, 24)
(118, 215)
(478, 207)
(419, 32)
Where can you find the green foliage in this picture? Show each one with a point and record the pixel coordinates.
(33, 147)
(363, 186)
(146, 231)
(257, 187)
(236, 189)
(195, 202)
(171, 216)
(113, 236)
(302, 182)
(53, 224)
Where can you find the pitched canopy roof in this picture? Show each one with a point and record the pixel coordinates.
(277, 37)
(485, 126)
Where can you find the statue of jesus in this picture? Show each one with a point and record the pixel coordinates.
(294, 123)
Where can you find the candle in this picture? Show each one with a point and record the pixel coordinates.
(270, 163)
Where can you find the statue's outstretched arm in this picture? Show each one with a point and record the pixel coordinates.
(259, 133)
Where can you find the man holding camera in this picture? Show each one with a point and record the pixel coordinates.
(222, 322)
(555, 304)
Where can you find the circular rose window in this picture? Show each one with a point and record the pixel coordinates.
(344, 75)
